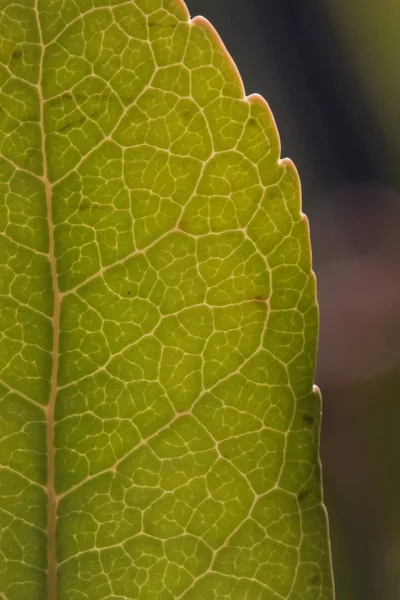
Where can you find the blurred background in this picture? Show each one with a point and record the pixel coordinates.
(330, 71)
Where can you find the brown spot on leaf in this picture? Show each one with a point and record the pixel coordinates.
(303, 495)
(85, 204)
(17, 54)
(72, 124)
(308, 419)
(186, 116)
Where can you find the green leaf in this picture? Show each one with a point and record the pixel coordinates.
(159, 426)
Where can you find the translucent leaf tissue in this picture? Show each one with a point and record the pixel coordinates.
(159, 426)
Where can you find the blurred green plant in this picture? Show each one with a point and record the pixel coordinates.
(159, 321)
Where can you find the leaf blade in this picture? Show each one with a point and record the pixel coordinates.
(184, 316)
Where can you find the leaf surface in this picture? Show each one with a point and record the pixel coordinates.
(159, 425)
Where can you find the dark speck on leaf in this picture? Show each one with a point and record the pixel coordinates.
(273, 194)
(186, 116)
(95, 115)
(252, 122)
(308, 419)
(303, 495)
(84, 204)
(155, 24)
(128, 292)
(68, 126)
(16, 54)
(259, 299)
(29, 155)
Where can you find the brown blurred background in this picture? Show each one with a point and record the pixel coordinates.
(330, 71)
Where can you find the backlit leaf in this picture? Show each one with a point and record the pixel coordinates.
(159, 425)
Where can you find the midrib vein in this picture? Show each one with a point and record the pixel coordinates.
(51, 493)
